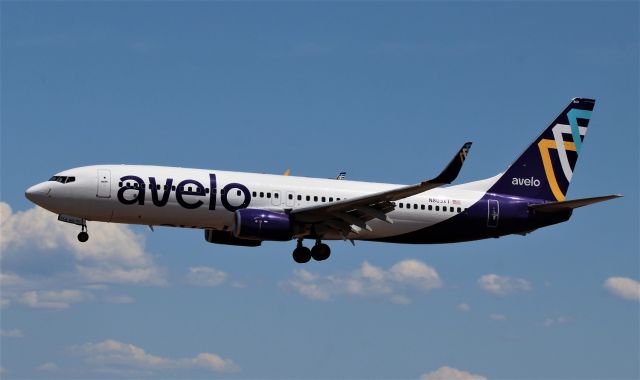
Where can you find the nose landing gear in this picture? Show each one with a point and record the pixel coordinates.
(319, 252)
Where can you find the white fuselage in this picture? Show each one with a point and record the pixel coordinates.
(208, 198)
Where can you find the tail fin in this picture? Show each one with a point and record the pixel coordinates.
(545, 169)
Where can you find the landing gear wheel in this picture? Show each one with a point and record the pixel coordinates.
(83, 236)
(301, 255)
(320, 252)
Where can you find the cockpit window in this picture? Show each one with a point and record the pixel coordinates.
(62, 179)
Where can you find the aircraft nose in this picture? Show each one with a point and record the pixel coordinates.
(37, 193)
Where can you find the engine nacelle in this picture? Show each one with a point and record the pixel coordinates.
(226, 237)
(256, 224)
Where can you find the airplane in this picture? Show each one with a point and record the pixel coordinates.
(245, 209)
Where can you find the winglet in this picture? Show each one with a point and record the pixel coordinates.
(452, 170)
(286, 172)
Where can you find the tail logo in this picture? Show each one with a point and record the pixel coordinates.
(464, 151)
(561, 146)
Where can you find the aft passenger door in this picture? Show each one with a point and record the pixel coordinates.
(493, 213)
(104, 183)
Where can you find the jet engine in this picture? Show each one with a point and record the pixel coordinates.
(226, 237)
(256, 224)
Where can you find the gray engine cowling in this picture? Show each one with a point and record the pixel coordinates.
(256, 224)
(226, 237)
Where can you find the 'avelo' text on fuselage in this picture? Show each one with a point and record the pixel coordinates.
(187, 187)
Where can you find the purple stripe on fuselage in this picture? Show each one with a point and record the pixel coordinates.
(480, 222)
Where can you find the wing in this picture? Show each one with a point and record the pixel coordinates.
(352, 215)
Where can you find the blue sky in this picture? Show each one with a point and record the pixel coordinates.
(385, 91)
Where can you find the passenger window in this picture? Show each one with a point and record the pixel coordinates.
(261, 194)
(308, 198)
(324, 199)
(253, 194)
(290, 196)
(421, 207)
(337, 199)
(450, 209)
(299, 197)
(135, 185)
(415, 206)
(222, 192)
(437, 208)
(157, 187)
(189, 188)
(400, 205)
(119, 184)
(459, 210)
(238, 193)
(330, 199)
(206, 190)
(173, 187)
(268, 195)
(276, 195)
(315, 198)
(430, 207)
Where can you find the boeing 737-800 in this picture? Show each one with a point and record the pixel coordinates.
(246, 209)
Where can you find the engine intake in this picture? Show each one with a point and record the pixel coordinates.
(256, 224)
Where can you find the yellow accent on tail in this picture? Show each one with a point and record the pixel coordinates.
(286, 172)
(544, 146)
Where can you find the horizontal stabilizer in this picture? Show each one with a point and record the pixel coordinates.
(570, 205)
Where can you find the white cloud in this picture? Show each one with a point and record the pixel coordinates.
(206, 276)
(48, 366)
(548, 322)
(10, 279)
(623, 287)
(463, 307)
(368, 280)
(4, 303)
(448, 373)
(498, 317)
(113, 356)
(113, 254)
(123, 299)
(13, 333)
(51, 299)
(503, 285)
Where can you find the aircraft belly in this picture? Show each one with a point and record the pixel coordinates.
(172, 215)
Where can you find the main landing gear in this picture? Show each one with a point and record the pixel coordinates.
(83, 236)
(319, 252)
